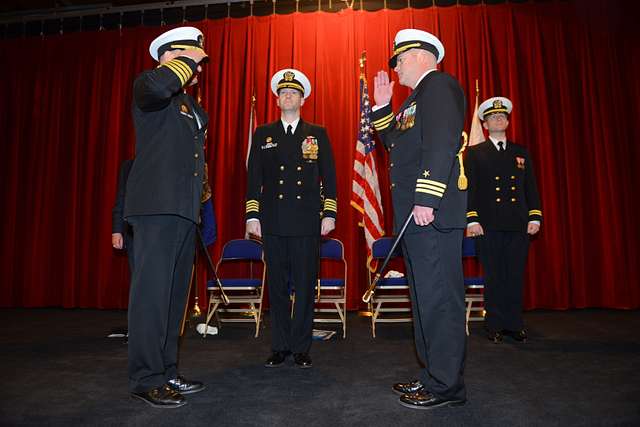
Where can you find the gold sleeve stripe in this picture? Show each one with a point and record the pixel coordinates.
(381, 127)
(430, 187)
(179, 67)
(422, 190)
(184, 66)
(332, 209)
(472, 214)
(535, 212)
(383, 124)
(432, 182)
(386, 118)
(177, 71)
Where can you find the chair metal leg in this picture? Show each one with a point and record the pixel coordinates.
(469, 304)
(210, 313)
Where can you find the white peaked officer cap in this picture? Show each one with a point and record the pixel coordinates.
(178, 38)
(411, 38)
(497, 104)
(290, 78)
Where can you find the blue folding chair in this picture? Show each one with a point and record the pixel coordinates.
(474, 285)
(331, 292)
(244, 290)
(392, 292)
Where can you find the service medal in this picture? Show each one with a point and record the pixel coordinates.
(310, 148)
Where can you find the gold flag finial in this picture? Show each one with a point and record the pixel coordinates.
(363, 61)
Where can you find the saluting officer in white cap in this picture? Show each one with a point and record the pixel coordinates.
(289, 161)
(162, 204)
(424, 138)
(503, 211)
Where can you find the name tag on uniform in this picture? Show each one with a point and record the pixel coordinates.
(269, 143)
(407, 118)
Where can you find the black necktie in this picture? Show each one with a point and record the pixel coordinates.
(289, 130)
(500, 146)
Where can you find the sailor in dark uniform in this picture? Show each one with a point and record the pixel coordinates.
(288, 162)
(162, 204)
(504, 210)
(424, 140)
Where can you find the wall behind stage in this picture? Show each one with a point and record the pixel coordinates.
(570, 68)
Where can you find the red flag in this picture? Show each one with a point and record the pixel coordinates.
(365, 191)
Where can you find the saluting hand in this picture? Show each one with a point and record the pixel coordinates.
(382, 88)
(195, 54)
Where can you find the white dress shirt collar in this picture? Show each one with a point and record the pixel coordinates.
(294, 125)
(495, 142)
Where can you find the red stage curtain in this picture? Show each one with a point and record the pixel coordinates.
(570, 68)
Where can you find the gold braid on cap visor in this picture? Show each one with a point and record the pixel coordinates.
(494, 111)
(401, 49)
(291, 85)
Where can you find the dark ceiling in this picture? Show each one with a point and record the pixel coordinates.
(16, 6)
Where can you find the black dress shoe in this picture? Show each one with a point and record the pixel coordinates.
(408, 388)
(520, 336)
(425, 400)
(185, 386)
(496, 337)
(276, 359)
(161, 397)
(302, 360)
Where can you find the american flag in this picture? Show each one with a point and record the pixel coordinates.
(365, 191)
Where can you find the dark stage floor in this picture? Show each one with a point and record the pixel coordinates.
(580, 368)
